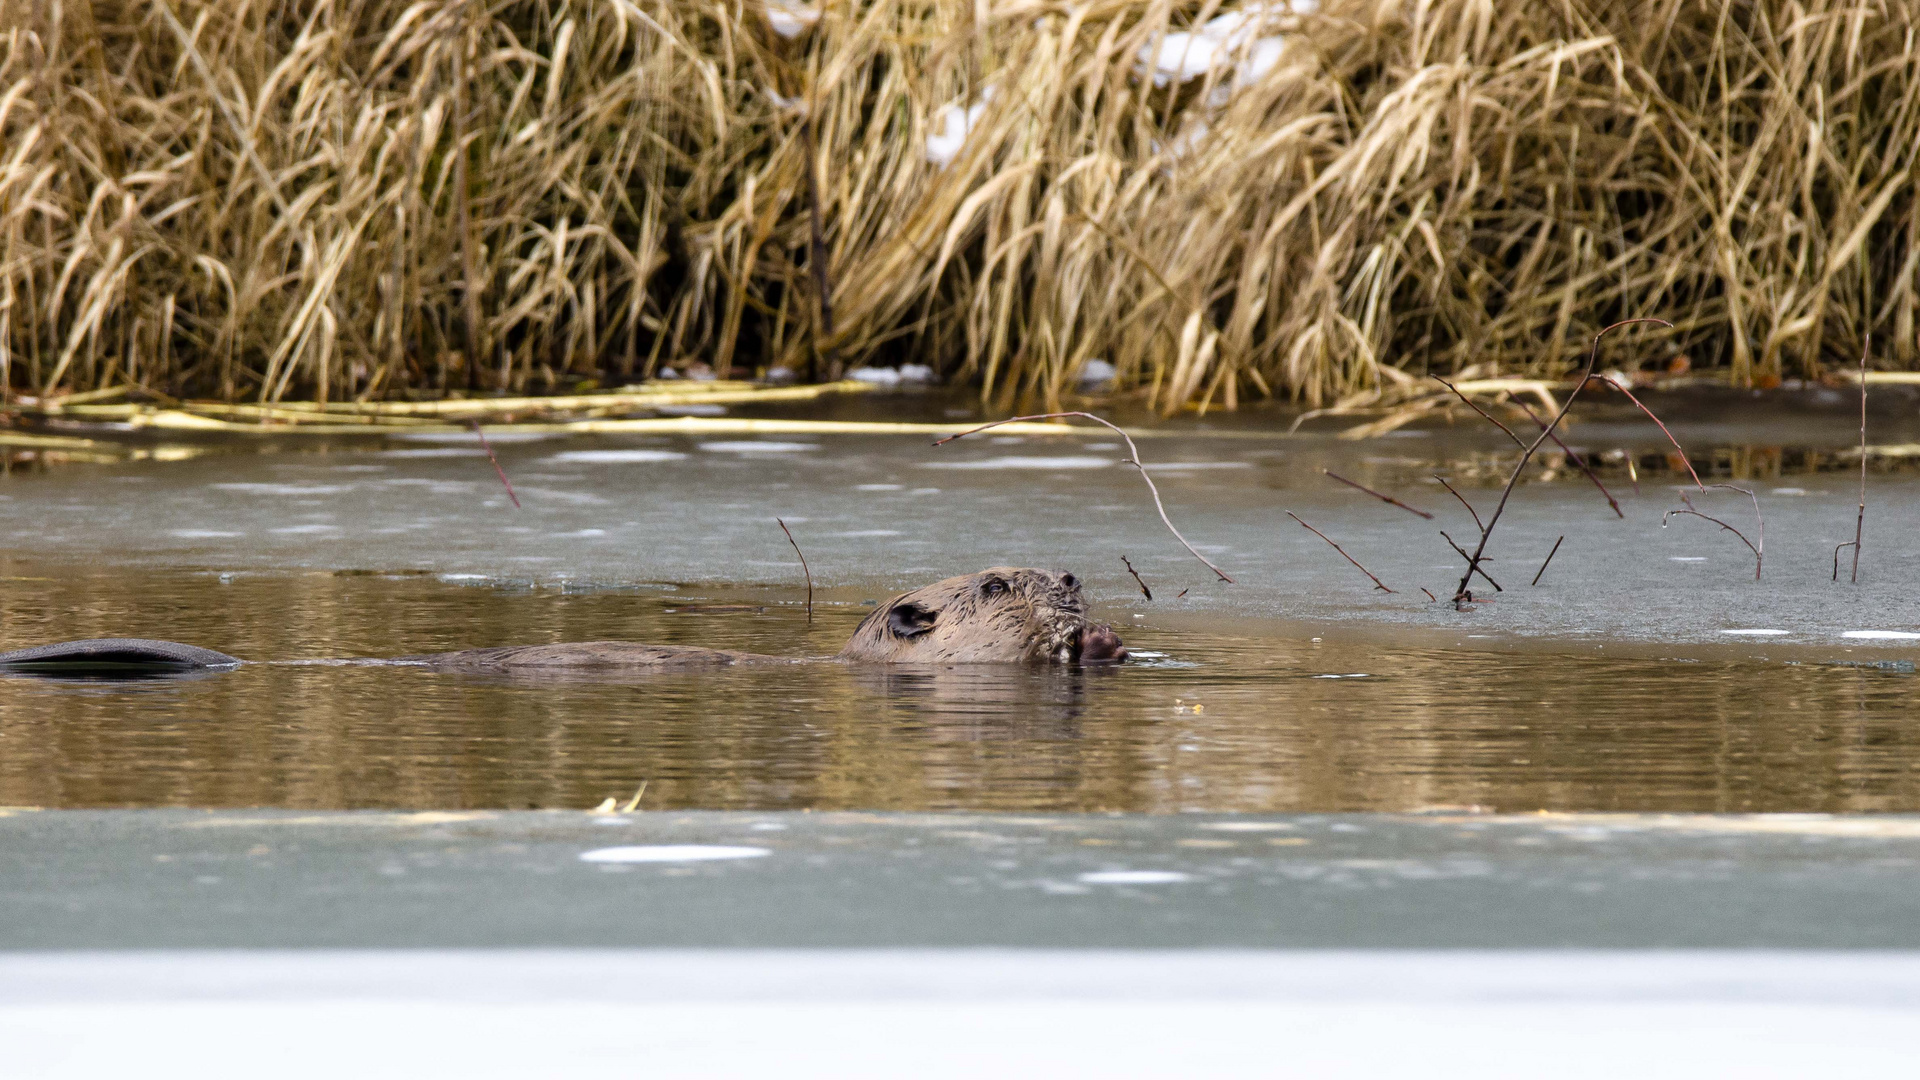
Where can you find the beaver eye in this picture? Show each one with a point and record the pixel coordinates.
(1069, 580)
(993, 587)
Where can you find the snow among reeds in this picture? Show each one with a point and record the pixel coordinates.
(1247, 40)
(956, 123)
(789, 19)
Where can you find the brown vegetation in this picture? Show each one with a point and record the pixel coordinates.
(335, 199)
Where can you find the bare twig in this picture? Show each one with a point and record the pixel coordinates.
(1593, 357)
(1690, 511)
(488, 447)
(803, 567)
(1144, 591)
(1475, 406)
(1462, 498)
(1543, 565)
(1430, 597)
(1182, 596)
(1759, 544)
(1133, 460)
(1470, 559)
(1331, 475)
(1377, 583)
(1575, 458)
(1618, 385)
(1860, 519)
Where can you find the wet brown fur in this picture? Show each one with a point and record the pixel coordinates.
(1003, 614)
(1000, 615)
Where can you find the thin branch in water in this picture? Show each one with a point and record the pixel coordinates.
(488, 447)
(1571, 456)
(1475, 406)
(1617, 385)
(1576, 459)
(1144, 591)
(1377, 583)
(1476, 565)
(1691, 512)
(1543, 565)
(803, 567)
(1860, 520)
(1463, 500)
(1430, 597)
(1182, 595)
(1593, 357)
(1760, 537)
(1133, 459)
(1331, 475)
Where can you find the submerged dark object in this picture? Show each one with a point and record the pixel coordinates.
(114, 657)
(998, 616)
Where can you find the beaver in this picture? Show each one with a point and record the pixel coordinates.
(1000, 615)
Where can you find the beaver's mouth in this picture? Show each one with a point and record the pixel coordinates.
(1097, 644)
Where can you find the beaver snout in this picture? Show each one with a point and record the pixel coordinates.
(1099, 644)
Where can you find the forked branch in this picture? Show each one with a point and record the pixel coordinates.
(1593, 358)
(1758, 550)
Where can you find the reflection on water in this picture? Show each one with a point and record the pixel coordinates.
(1245, 720)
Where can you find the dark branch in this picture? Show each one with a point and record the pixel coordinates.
(1860, 519)
(1463, 501)
(1331, 475)
(803, 567)
(1543, 565)
(488, 447)
(1471, 561)
(1593, 357)
(1377, 583)
(1471, 404)
(1575, 458)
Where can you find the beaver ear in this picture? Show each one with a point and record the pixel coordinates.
(910, 620)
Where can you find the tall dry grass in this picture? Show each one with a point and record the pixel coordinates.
(360, 198)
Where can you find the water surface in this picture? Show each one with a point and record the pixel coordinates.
(1647, 671)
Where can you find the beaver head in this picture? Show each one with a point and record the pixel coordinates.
(1001, 615)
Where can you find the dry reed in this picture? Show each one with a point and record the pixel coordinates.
(363, 199)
